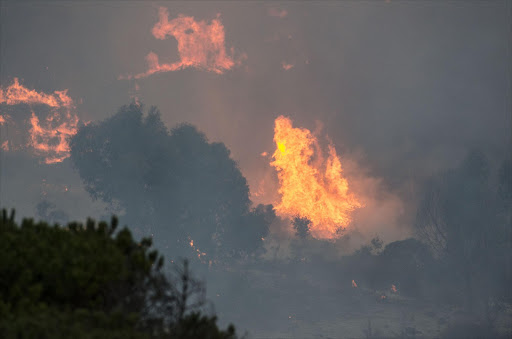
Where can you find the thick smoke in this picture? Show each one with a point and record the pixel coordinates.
(403, 89)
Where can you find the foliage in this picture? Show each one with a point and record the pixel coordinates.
(162, 178)
(460, 217)
(196, 325)
(89, 281)
(301, 226)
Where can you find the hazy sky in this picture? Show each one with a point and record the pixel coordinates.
(404, 87)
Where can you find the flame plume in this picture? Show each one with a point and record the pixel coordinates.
(49, 136)
(201, 45)
(310, 186)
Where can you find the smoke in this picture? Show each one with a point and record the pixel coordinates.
(402, 89)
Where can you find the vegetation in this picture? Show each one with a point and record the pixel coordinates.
(174, 178)
(91, 281)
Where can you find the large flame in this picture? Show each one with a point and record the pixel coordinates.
(310, 186)
(48, 136)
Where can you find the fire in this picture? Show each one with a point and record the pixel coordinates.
(49, 137)
(310, 186)
(393, 289)
(200, 45)
(18, 94)
(287, 66)
(354, 284)
(200, 254)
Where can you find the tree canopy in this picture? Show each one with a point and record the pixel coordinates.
(464, 218)
(91, 281)
(173, 182)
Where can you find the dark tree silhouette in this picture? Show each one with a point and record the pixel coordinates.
(458, 217)
(301, 226)
(91, 281)
(176, 183)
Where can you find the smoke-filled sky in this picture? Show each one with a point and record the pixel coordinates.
(401, 88)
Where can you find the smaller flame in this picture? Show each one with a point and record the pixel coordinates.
(49, 137)
(287, 66)
(199, 253)
(201, 45)
(393, 289)
(18, 94)
(354, 284)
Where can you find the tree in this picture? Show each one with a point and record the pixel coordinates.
(458, 218)
(90, 281)
(185, 189)
(301, 226)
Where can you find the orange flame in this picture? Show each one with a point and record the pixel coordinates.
(18, 94)
(315, 190)
(393, 289)
(49, 138)
(354, 284)
(200, 45)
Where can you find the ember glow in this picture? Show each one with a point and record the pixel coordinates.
(199, 253)
(278, 13)
(311, 186)
(287, 66)
(200, 45)
(48, 136)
